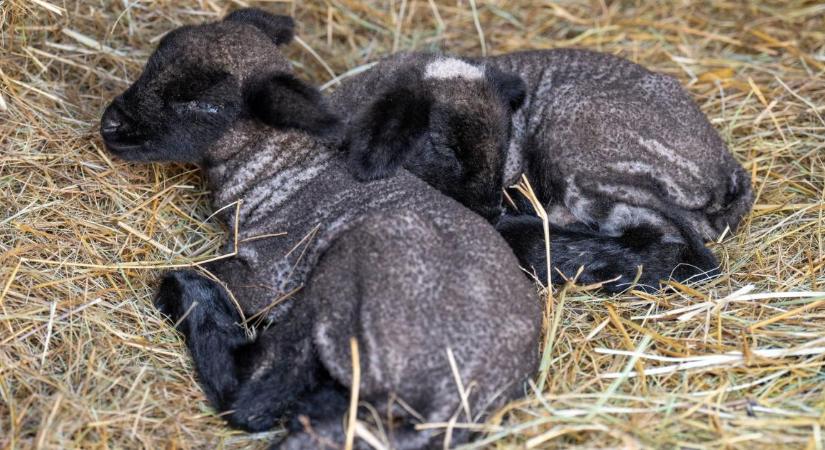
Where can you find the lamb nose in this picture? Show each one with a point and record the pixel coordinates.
(110, 125)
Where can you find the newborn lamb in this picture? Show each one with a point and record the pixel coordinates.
(406, 271)
(629, 170)
(445, 119)
(627, 166)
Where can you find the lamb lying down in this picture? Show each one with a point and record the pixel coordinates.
(406, 271)
(629, 170)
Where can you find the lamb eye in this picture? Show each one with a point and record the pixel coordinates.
(196, 106)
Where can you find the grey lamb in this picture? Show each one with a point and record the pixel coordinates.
(406, 271)
(628, 168)
(623, 159)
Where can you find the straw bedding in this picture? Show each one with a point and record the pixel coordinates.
(86, 362)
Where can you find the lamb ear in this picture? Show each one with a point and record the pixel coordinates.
(382, 135)
(283, 101)
(281, 29)
(510, 86)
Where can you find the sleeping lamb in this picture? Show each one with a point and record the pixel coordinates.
(439, 117)
(408, 272)
(628, 168)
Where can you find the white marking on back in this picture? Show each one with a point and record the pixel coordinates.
(671, 155)
(444, 68)
(674, 190)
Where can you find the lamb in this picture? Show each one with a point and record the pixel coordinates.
(624, 160)
(408, 272)
(438, 117)
(629, 170)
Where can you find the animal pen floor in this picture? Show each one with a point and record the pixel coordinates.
(87, 362)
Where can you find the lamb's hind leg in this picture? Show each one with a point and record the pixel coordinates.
(607, 257)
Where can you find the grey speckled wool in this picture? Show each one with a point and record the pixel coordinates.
(608, 142)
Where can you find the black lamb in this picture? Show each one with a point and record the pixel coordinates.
(409, 273)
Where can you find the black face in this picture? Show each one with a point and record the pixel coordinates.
(463, 154)
(174, 120)
(451, 132)
(192, 88)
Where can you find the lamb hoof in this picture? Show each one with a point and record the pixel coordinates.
(169, 298)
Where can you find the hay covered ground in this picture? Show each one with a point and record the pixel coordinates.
(86, 362)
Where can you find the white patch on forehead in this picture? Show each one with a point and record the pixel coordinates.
(444, 68)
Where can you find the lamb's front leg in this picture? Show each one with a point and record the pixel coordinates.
(255, 382)
(209, 322)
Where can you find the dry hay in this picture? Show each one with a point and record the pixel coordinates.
(86, 362)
